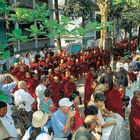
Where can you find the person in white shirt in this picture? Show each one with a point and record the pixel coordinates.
(27, 60)
(36, 131)
(7, 127)
(40, 90)
(22, 98)
(99, 101)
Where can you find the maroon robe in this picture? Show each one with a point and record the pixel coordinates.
(114, 101)
(56, 95)
(134, 119)
(69, 88)
(88, 90)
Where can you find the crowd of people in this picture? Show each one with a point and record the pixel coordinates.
(44, 102)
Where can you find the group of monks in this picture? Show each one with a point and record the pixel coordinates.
(123, 46)
(61, 70)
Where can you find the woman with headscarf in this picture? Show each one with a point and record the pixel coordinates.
(36, 131)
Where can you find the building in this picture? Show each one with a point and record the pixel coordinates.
(36, 42)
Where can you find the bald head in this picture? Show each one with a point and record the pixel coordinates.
(22, 85)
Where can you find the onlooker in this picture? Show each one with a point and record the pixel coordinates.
(85, 131)
(36, 131)
(7, 87)
(99, 102)
(7, 127)
(22, 98)
(62, 119)
(78, 118)
(47, 104)
(40, 90)
(121, 76)
(107, 77)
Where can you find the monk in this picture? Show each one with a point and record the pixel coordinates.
(70, 86)
(88, 89)
(114, 99)
(134, 119)
(55, 87)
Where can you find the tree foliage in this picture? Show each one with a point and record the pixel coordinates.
(80, 8)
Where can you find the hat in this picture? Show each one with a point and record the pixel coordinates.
(65, 102)
(120, 65)
(2, 77)
(39, 119)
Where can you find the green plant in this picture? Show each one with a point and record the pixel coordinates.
(3, 97)
(4, 54)
(17, 36)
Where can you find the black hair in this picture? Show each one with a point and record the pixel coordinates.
(91, 110)
(43, 78)
(2, 104)
(47, 92)
(136, 91)
(100, 97)
(125, 98)
(125, 101)
(74, 95)
(34, 133)
(108, 67)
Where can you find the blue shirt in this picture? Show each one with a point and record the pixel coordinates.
(6, 88)
(58, 122)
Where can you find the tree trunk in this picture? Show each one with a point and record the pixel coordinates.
(125, 33)
(139, 37)
(130, 35)
(117, 29)
(58, 47)
(83, 25)
(103, 32)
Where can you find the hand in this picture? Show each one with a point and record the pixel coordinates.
(129, 86)
(113, 122)
(71, 114)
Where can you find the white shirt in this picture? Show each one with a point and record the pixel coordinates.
(9, 124)
(21, 96)
(40, 92)
(125, 66)
(27, 61)
(42, 54)
(101, 119)
(42, 136)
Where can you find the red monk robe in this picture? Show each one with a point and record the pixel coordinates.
(134, 119)
(30, 84)
(34, 65)
(70, 65)
(56, 95)
(20, 75)
(62, 84)
(114, 101)
(14, 70)
(78, 120)
(69, 87)
(88, 79)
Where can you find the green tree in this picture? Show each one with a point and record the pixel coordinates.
(80, 8)
(127, 15)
